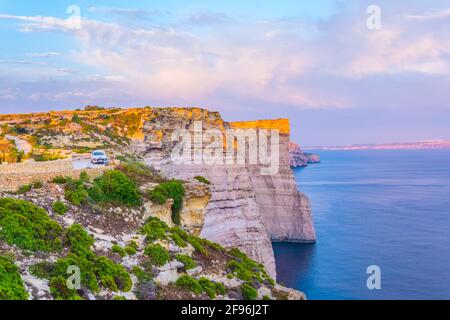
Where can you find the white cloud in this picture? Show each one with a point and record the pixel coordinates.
(271, 61)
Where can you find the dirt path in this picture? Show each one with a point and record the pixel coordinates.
(22, 145)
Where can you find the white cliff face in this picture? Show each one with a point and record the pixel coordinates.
(246, 210)
(296, 156)
(286, 212)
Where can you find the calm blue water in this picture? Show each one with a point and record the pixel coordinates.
(385, 208)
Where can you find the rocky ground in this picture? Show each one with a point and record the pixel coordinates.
(163, 260)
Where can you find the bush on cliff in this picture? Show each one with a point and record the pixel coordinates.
(29, 227)
(172, 189)
(202, 180)
(76, 192)
(96, 272)
(116, 188)
(59, 207)
(138, 172)
(157, 254)
(247, 269)
(188, 262)
(11, 284)
(154, 229)
(248, 292)
(189, 283)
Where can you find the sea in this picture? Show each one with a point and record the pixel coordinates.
(382, 219)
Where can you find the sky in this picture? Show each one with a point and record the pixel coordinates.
(339, 77)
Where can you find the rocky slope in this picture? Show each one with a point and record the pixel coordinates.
(246, 209)
(122, 251)
(298, 158)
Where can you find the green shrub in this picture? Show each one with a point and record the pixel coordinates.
(76, 119)
(155, 229)
(131, 251)
(60, 290)
(119, 250)
(59, 180)
(188, 262)
(247, 269)
(28, 226)
(202, 179)
(158, 255)
(115, 187)
(248, 292)
(141, 274)
(112, 275)
(197, 243)
(120, 298)
(42, 270)
(178, 240)
(59, 207)
(79, 241)
(158, 196)
(172, 189)
(37, 184)
(133, 244)
(211, 288)
(11, 284)
(24, 189)
(189, 283)
(137, 171)
(84, 176)
(76, 192)
(96, 271)
(220, 288)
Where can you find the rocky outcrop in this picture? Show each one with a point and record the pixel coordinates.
(298, 158)
(246, 209)
(192, 215)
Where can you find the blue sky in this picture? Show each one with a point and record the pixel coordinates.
(315, 62)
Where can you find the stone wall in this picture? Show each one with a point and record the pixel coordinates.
(15, 175)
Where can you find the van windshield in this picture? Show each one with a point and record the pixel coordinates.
(98, 153)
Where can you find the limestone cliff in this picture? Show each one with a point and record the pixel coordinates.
(298, 158)
(246, 209)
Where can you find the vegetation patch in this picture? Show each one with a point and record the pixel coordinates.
(172, 189)
(59, 207)
(96, 272)
(154, 229)
(119, 250)
(202, 180)
(11, 284)
(116, 188)
(158, 255)
(249, 292)
(202, 285)
(189, 283)
(247, 269)
(138, 172)
(188, 262)
(28, 226)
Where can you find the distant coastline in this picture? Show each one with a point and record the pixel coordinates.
(418, 145)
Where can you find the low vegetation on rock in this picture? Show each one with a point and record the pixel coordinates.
(172, 189)
(27, 226)
(11, 284)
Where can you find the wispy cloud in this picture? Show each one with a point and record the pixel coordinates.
(290, 62)
(431, 15)
(43, 54)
